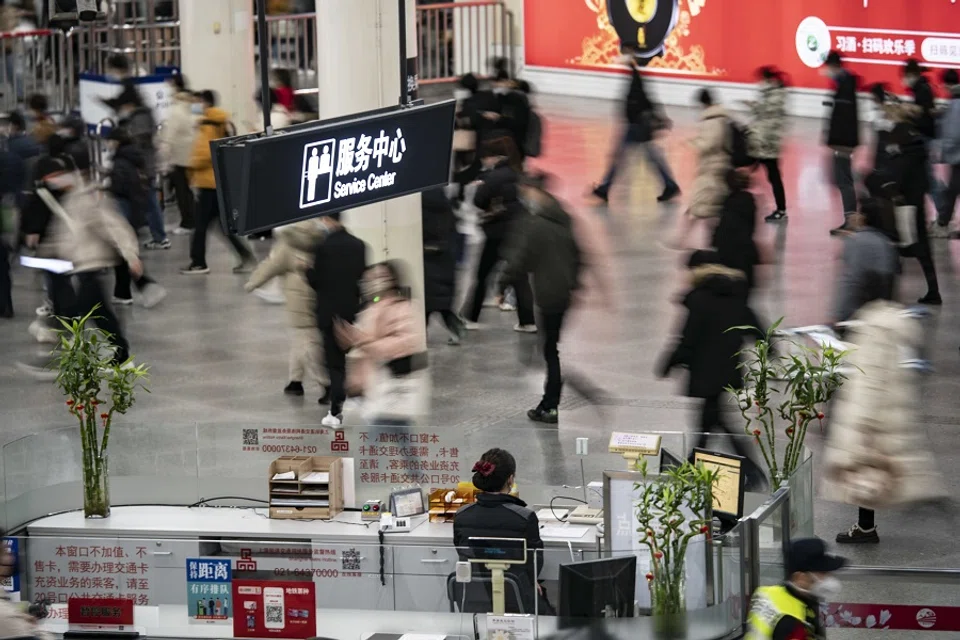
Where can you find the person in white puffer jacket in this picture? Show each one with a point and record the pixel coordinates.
(175, 146)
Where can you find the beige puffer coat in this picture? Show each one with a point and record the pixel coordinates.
(294, 245)
(876, 455)
(712, 143)
(15, 623)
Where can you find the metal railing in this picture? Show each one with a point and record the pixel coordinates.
(455, 38)
(34, 62)
(292, 40)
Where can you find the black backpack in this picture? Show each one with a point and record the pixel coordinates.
(532, 146)
(739, 145)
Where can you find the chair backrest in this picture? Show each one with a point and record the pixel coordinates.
(476, 596)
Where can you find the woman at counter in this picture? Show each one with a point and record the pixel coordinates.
(497, 514)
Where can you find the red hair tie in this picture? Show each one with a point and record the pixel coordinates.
(484, 468)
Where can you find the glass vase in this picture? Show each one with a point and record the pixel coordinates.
(96, 488)
(669, 609)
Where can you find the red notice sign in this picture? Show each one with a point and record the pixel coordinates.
(100, 612)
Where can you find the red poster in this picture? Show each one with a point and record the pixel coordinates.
(100, 613)
(271, 609)
(893, 617)
(722, 40)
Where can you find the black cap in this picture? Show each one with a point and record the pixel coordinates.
(834, 59)
(810, 555)
(912, 65)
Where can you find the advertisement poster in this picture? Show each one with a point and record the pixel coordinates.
(208, 590)
(272, 609)
(11, 584)
(724, 41)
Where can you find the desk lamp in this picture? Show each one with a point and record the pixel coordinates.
(497, 554)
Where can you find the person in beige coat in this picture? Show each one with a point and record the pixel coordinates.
(175, 146)
(15, 622)
(712, 144)
(294, 247)
(875, 456)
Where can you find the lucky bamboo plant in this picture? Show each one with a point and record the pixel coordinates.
(786, 386)
(673, 508)
(97, 388)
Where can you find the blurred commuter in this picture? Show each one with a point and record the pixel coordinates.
(295, 245)
(42, 125)
(339, 263)
(75, 143)
(644, 119)
(87, 230)
(870, 261)
(717, 301)
(176, 149)
(842, 132)
(470, 128)
(22, 151)
(919, 87)
(498, 199)
(512, 115)
(15, 621)
(766, 131)
(949, 142)
(388, 339)
(440, 261)
(137, 119)
(712, 145)
(791, 611)
(127, 185)
(213, 126)
(907, 168)
(280, 116)
(733, 238)
(285, 94)
(544, 247)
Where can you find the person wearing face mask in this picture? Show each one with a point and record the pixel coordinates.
(919, 87)
(390, 344)
(175, 147)
(842, 133)
(766, 133)
(791, 611)
(949, 141)
(339, 263)
(643, 119)
(512, 115)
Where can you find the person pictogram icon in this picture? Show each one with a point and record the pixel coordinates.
(316, 179)
(313, 172)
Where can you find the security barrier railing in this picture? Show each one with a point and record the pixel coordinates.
(34, 62)
(455, 38)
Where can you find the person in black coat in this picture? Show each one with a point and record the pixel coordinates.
(926, 122)
(339, 263)
(497, 514)
(497, 197)
(716, 303)
(643, 118)
(843, 132)
(440, 260)
(733, 237)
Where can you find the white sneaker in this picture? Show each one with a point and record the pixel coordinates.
(152, 295)
(122, 302)
(180, 231)
(45, 310)
(42, 333)
(332, 421)
(506, 306)
(269, 296)
(936, 230)
(525, 328)
(471, 326)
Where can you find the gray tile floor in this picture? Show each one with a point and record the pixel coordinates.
(218, 357)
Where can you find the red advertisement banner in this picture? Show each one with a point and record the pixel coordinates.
(100, 612)
(271, 609)
(726, 41)
(893, 617)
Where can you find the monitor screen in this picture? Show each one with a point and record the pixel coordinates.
(407, 503)
(728, 488)
(597, 589)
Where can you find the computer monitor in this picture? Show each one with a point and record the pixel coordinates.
(597, 589)
(729, 486)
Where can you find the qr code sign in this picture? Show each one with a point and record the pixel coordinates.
(274, 615)
(351, 560)
(251, 437)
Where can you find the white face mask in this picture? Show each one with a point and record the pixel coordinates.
(461, 94)
(827, 588)
(196, 109)
(61, 182)
(500, 90)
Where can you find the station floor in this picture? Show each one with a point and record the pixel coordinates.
(219, 356)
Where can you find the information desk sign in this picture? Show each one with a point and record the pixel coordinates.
(273, 609)
(326, 167)
(100, 614)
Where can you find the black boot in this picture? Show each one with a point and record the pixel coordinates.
(295, 388)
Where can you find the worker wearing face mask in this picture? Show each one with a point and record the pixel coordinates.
(791, 611)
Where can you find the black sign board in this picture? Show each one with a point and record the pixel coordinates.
(321, 168)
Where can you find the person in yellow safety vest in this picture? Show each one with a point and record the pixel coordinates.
(791, 611)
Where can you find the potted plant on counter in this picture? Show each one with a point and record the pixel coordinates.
(97, 388)
(673, 508)
(786, 387)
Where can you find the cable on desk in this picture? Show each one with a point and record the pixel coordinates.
(383, 576)
(203, 502)
(555, 498)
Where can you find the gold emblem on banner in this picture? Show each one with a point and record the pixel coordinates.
(603, 48)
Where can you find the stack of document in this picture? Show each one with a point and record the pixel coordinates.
(316, 477)
(289, 475)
